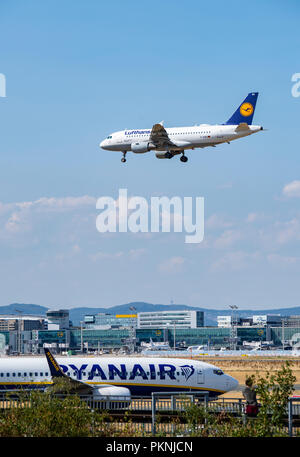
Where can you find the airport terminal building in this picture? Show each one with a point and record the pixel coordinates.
(113, 332)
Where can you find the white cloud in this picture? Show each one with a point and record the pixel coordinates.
(288, 231)
(172, 265)
(136, 254)
(292, 189)
(236, 261)
(227, 239)
(63, 203)
(106, 256)
(252, 217)
(282, 261)
(216, 221)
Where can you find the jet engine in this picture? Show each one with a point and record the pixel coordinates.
(141, 147)
(110, 397)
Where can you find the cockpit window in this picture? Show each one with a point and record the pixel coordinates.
(109, 137)
(218, 372)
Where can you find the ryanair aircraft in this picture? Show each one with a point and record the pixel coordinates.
(173, 141)
(114, 376)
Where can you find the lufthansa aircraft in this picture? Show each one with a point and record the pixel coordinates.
(114, 376)
(173, 141)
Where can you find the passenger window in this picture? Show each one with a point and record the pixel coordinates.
(7, 374)
(25, 374)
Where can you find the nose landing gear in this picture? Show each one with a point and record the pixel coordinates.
(123, 160)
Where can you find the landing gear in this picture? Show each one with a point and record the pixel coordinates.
(183, 158)
(123, 160)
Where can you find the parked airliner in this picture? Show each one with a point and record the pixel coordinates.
(173, 141)
(114, 376)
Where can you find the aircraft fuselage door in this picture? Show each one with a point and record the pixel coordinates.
(200, 376)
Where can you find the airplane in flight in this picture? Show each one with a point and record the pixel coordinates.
(116, 377)
(168, 142)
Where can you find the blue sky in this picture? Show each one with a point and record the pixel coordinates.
(76, 71)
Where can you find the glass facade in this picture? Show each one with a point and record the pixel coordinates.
(99, 338)
(110, 320)
(199, 336)
(4, 337)
(291, 334)
(252, 333)
(214, 336)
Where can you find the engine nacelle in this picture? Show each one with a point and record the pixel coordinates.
(116, 392)
(141, 147)
(164, 155)
(111, 397)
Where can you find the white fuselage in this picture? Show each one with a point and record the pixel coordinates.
(141, 375)
(184, 137)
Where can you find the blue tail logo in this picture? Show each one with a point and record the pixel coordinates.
(245, 111)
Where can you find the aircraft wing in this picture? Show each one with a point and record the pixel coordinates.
(159, 137)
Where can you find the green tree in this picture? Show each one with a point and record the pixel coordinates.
(273, 392)
(46, 415)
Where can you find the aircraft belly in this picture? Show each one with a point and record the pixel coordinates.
(121, 147)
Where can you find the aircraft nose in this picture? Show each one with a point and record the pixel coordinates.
(231, 383)
(102, 144)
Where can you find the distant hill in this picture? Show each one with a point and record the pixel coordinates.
(21, 308)
(77, 314)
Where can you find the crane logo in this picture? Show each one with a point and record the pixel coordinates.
(246, 109)
(187, 371)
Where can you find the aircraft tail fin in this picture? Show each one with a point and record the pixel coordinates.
(245, 112)
(55, 370)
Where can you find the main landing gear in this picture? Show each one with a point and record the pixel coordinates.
(183, 158)
(123, 160)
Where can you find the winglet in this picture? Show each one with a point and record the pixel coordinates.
(55, 370)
